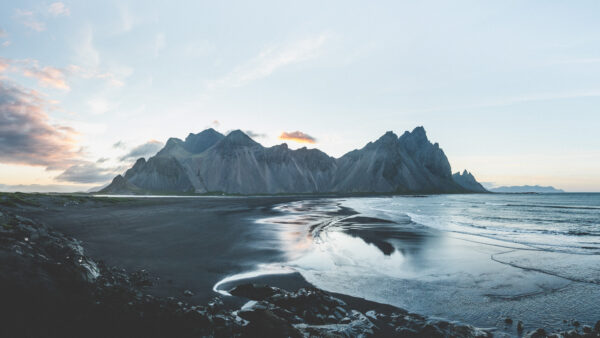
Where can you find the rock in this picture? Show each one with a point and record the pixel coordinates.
(597, 326)
(576, 323)
(264, 323)
(586, 329)
(539, 333)
(188, 293)
(520, 327)
(508, 321)
(253, 291)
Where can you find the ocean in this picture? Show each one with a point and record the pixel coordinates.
(476, 259)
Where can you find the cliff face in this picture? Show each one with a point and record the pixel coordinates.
(409, 163)
(236, 164)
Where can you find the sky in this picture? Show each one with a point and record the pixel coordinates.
(509, 89)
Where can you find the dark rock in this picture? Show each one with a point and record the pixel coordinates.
(520, 327)
(253, 291)
(508, 321)
(264, 323)
(539, 333)
(597, 326)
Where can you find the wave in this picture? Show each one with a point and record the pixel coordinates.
(572, 241)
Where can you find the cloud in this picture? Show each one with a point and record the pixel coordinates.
(271, 59)
(297, 136)
(149, 148)
(3, 34)
(58, 9)
(4, 65)
(30, 188)
(253, 134)
(119, 144)
(29, 20)
(26, 134)
(86, 73)
(48, 77)
(88, 172)
(6, 43)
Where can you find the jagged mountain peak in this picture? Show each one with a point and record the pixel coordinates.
(239, 138)
(418, 136)
(389, 136)
(468, 181)
(197, 143)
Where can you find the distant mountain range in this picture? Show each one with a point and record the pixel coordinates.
(210, 162)
(526, 189)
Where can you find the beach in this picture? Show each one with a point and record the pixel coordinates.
(200, 248)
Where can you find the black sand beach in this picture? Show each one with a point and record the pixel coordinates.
(187, 243)
(159, 256)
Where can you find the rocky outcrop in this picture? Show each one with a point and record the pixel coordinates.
(468, 181)
(315, 313)
(210, 162)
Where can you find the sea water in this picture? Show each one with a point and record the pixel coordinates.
(471, 258)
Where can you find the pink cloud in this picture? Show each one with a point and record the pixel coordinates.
(297, 136)
(27, 135)
(48, 77)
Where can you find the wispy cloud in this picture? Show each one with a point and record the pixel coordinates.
(271, 59)
(297, 136)
(26, 134)
(59, 9)
(87, 73)
(88, 172)
(119, 144)
(54, 77)
(28, 19)
(254, 134)
(48, 77)
(4, 64)
(149, 148)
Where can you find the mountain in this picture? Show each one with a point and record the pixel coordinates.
(209, 162)
(468, 181)
(527, 189)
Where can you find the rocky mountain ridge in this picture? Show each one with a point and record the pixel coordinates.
(210, 162)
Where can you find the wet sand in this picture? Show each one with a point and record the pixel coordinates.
(186, 243)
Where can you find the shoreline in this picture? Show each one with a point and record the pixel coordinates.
(292, 282)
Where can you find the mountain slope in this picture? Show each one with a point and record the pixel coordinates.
(409, 163)
(210, 162)
(468, 181)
